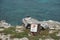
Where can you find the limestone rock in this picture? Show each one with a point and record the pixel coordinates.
(25, 38)
(19, 28)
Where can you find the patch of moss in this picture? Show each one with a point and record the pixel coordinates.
(10, 30)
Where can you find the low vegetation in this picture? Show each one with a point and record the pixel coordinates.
(42, 34)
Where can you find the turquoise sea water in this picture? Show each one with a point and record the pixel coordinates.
(14, 10)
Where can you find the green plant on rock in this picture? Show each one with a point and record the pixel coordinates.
(10, 30)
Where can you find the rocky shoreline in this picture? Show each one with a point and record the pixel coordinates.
(20, 33)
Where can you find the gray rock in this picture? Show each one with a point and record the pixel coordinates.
(40, 38)
(24, 38)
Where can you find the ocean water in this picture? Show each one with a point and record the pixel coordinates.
(14, 10)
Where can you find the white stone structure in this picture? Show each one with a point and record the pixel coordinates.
(45, 24)
(29, 20)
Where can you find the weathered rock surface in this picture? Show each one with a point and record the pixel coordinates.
(24, 38)
(51, 24)
(4, 24)
(19, 29)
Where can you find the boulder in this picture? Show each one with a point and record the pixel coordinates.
(19, 28)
